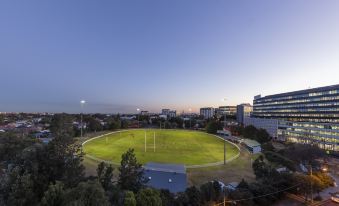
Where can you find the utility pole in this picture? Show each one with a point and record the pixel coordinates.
(311, 184)
(154, 141)
(138, 117)
(82, 102)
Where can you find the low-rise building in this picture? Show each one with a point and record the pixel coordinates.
(252, 145)
(166, 176)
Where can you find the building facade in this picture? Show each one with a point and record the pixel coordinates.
(207, 112)
(228, 110)
(243, 110)
(308, 116)
(165, 111)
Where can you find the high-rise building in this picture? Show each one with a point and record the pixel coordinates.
(243, 110)
(229, 110)
(207, 112)
(307, 116)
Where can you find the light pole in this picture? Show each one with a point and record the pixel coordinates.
(138, 110)
(224, 100)
(82, 103)
(190, 110)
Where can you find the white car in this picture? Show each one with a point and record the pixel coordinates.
(335, 197)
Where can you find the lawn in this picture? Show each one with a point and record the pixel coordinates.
(171, 146)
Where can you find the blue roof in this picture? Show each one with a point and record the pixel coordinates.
(166, 176)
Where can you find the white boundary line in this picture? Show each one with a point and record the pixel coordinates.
(187, 166)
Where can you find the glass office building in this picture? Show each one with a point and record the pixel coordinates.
(307, 116)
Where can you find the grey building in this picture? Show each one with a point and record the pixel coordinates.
(207, 112)
(243, 110)
(308, 116)
(169, 113)
(166, 176)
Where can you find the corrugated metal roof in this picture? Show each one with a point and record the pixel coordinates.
(166, 176)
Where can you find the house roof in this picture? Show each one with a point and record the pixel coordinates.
(251, 143)
(166, 176)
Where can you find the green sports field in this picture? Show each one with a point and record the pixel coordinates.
(171, 146)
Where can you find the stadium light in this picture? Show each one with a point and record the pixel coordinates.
(224, 100)
(82, 103)
(138, 110)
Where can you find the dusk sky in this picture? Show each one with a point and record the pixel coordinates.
(177, 54)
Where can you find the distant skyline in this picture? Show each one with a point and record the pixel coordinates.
(151, 54)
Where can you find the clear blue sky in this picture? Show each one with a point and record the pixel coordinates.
(120, 55)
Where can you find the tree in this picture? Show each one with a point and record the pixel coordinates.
(148, 197)
(131, 172)
(261, 169)
(93, 124)
(243, 185)
(194, 196)
(63, 161)
(262, 136)
(240, 194)
(167, 198)
(124, 124)
(210, 191)
(54, 196)
(105, 175)
(212, 127)
(12, 144)
(129, 199)
(88, 193)
(304, 153)
(62, 125)
(250, 132)
(20, 189)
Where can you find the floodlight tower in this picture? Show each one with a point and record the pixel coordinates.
(224, 100)
(82, 103)
(138, 110)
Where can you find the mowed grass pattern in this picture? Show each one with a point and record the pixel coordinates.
(172, 146)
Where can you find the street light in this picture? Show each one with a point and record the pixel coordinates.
(138, 117)
(224, 100)
(82, 102)
(190, 110)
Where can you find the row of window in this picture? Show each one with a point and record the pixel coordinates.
(307, 105)
(328, 109)
(305, 95)
(276, 102)
(314, 137)
(322, 145)
(310, 125)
